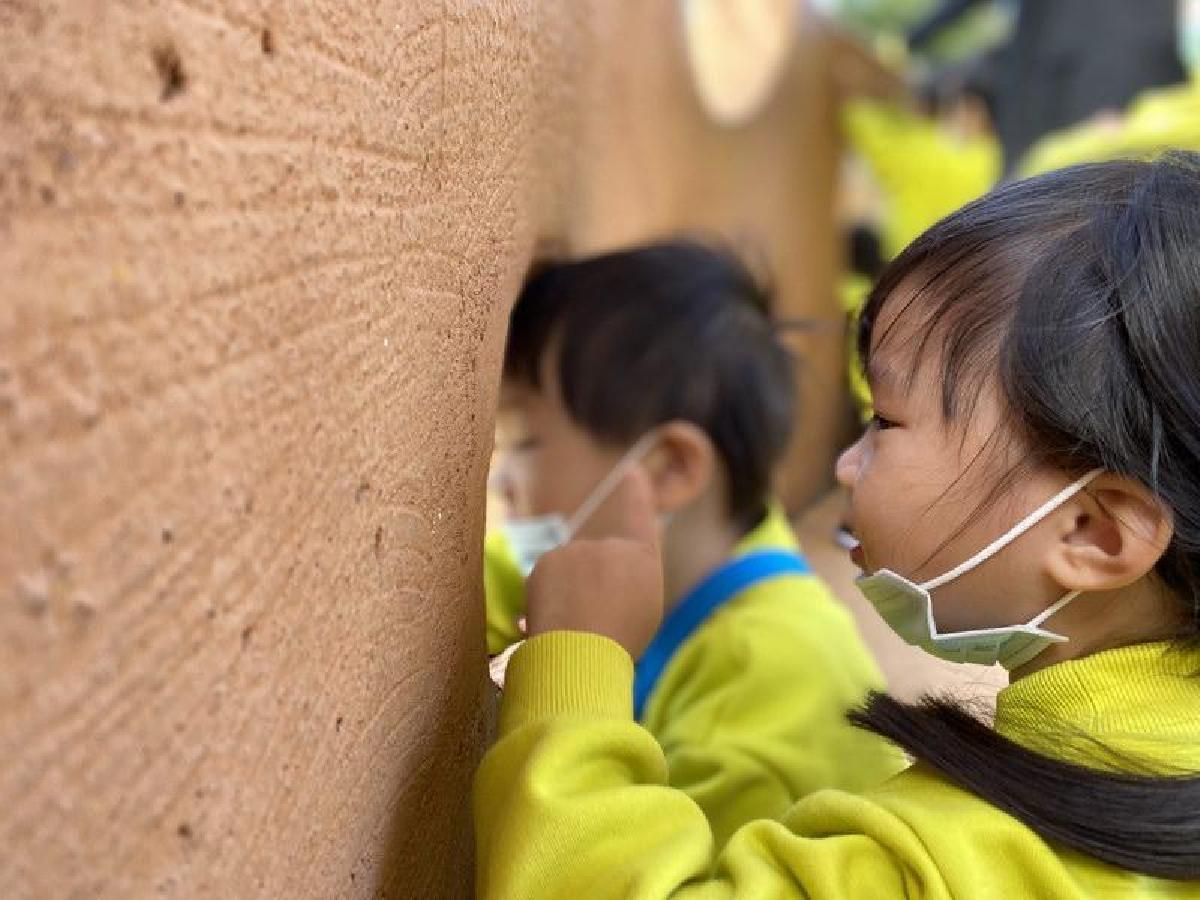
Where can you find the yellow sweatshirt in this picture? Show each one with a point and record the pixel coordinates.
(750, 711)
(573, 801)
(503, 591)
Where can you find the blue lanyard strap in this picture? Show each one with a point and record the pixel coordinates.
(701, 602)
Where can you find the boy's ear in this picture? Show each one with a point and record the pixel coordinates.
(1110, 535)
(682, 465)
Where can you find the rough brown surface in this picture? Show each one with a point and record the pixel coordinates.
(255, 259)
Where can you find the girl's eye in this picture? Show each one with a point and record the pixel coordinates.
(880, 423)
(525, 444)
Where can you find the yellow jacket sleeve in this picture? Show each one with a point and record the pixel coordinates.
(503, 593)
(573, 802)
(751, 716)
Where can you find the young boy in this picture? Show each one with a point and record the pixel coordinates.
(664, 357)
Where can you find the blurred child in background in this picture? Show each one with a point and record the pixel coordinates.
(664, 357)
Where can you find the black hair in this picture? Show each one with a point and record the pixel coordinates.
(864, 250)
(674, 330)
(1077, 293)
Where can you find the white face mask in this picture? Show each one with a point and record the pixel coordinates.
(908, 607)
(532, 537)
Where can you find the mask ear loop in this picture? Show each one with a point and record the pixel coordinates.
(1036, 621)
(1005, 539)
(600, 493)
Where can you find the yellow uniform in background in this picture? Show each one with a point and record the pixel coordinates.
(853, 290)
(1158, 120)
(749, 713)
(573, 801)
(924, 172)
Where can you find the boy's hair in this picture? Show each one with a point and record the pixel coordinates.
(674, 330)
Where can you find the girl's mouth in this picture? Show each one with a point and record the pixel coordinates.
(858, 557)
(845, 538)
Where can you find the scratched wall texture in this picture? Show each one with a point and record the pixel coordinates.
(255, 260)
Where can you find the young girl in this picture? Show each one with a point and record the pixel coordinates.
(1035, 362)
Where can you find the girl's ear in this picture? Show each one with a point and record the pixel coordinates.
(1110, 535)
(681, 465)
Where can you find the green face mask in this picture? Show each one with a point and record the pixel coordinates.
(908, 607)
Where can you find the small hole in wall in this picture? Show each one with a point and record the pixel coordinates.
(170, 71)
(268, 41)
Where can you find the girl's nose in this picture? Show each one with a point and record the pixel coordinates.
(846, 470)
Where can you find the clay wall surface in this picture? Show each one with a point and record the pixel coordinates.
(255, 263)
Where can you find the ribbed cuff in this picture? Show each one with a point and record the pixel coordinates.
(569, 672)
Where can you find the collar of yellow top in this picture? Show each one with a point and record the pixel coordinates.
(774, 531)
(1133, 708)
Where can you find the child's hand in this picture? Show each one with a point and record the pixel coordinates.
(610, 584)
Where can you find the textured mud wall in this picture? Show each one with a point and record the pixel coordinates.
(255, 263)
(255, 260)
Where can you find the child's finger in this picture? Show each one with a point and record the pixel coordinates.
(633, 514)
